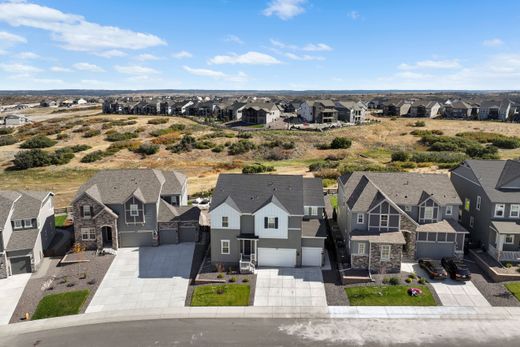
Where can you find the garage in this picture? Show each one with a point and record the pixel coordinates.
(311, 256)
(20, 265)
(135, 239)
(277, 257)
(168, 237)
(434, 250)
(189, 234)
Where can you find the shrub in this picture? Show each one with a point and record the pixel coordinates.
(233, 279)
(221, 290)
(506, 142)
(509, 265)
(6, 131)
(419, 124)
(412, 276)
(352, 167)
(408, 280)
(203, 145)
(115, 136)
(157, 121)
(92, 157)
(178, 127)
(245, 280)
(38, 141)
(217, 149)
(400, 156)
(394, 281)
(61, 156)
(438, 157)
(386, 280)
(422, 281)
(33, 158)
(185, 145)
(406, 165)
(277, 153)
(340, 143)
(79, 148)
(147, 149)
(91, 133)
(257, 168)
(7, 140)
(220, 275)
(330, 174)
(244, 135)
(421, 132)
(115, 147)
(92, 281)
(335, 157)
(62, 136)
(241, 147)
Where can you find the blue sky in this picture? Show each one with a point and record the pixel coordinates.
(260, 44)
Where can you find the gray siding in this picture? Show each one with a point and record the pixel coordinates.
(247, 224)
(434, 250)
(150, 219)
(312, 242)
(234, 246)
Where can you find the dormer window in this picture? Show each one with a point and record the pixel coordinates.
(383, 220)
(27, 223)
(449, 210)
(134, 210)
(428, 213)
(271, 222)
(18, 224)
(499, 210)
(515, 211)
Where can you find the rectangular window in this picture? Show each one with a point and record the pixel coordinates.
(432, 237)
(360, 218)
(272, 223)
(361, 248)
(225, 222)
(509, 239)
(467, 204)
(18, 224)
(441, 237)
(449, 210)
(500, 210)
(479, 202)
(428, 213)
(134, 210)
(385, 252)
(86, 211)
(422, 236)
(224, 247)
(515, 211)
(471, 221)
(27, 223)
(314, 211)
(408, 208)
(88, 234)
(383, 220)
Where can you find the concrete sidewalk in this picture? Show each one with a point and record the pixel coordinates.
(334, 312)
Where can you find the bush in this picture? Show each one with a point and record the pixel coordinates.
(418, 132)
(438, 157)
(245, 280)
(157, 121)
(244, 135)
(497, 140)
(394, 281)
(408, 280)
(7, 140)
(257, 168)
(217, 149)
(62, 136)
(115, 136)
(92, 157)
(115, 147)
(79, 148)
(147, 149)
(33, 158)
(38, 141)
(509, 265)
(241, 147)
(340, 143)
(204, 145)
(330, 174)
(91, 133)
(277, 153)
(6, 131)
(422, 281)
(406, 165)
(233, 279)
(419, 124)
(62, 156)
(506, 142)
(185, 145)
(352, 167)
(400, 156)
(386, 280)
(220, 275)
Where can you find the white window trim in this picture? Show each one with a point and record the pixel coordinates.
(517, 210)
(271, 222)
(225, 242)
(27, 223)
(512, 239)
(361, 247)
(503, 209)
(20, 226)
(449, 210)
(384, 257)
(362, 221)
(90, 234)
(134, 210)
(314, 211)
(381, 221)
(86, 211)
(226, 223)
(479, 202)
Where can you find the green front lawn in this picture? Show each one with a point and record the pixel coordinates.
(63, 304)
(59, 221)
(388, 296)
(221, 295)
(514, 288)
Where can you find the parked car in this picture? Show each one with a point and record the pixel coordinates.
(456, 269)
(433, 268)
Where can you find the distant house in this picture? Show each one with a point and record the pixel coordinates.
(351, 111)
(319, 111)
(427, 109)
(259, 112)
(460, 109)
(397, 109)
(80, 101)
(14, 120)
(48, 103)
(26, 230)
(66, 103)
(497, 110)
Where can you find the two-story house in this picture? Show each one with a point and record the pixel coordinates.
(460, 109)
(427, 109)
(259, 112)
(267, 220)
(351, 111)
(396, 109)
(387, 217)
(134, 208)
(497, 110)
(318, 111)
(490, 190)
(26, 230)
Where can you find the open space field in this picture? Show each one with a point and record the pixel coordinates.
(372, 145)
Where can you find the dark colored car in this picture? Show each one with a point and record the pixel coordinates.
(433, 268)
(456, 269)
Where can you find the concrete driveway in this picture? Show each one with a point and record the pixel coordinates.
(146, 277)
(450, 292)
(290, 287)
(11, 290)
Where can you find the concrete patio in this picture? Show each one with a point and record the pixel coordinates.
(290, 287)
(11, 290)
(147, 277)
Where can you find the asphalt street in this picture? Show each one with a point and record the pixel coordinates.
(278, 332)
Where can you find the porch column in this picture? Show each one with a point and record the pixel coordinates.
(115, 237)
(500, 245)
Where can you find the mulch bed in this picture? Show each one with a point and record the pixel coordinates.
(60, 278)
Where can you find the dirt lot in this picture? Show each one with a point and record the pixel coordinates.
(372, 143)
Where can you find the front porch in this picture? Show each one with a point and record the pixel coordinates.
(248, 254)
(506, 245)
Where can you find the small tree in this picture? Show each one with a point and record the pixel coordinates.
(341, 143)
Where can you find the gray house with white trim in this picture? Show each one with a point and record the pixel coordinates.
(267, 220)
(388, 217)
(134, 208)
(490, 190)
(26, 230)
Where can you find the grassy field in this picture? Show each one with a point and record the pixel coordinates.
(63, 304)
(373, 144)
(388, 296)
(221, 295)
(514, 288)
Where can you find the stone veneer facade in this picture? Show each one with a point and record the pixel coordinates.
(3, 266)
(408, 228)
(391, 266)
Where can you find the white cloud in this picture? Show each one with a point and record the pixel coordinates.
(234, 39)
(28, 55)
(218, 75)
(496, 42)
(182, 55)
(60, 69)
(112, 53)
(284, 9)
(250, 58)
(3, 52)
(17, 68)
(304, 57)
(309, 47)
(74, 32)
(318, 47)
(432, 64)
(88, 67)
(147, 57)
(354, 15)
(12, 38)
(135, 70)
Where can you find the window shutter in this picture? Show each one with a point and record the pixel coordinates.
(82, 211)
(276, 223)
(91, 211)
(265, 222)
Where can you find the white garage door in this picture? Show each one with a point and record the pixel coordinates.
(311, 256)
(279, 257)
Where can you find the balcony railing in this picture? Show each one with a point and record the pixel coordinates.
(247, 263)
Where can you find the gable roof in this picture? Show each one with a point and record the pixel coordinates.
(22, 239)
(116, 186)
(29, 204)
(7, 200)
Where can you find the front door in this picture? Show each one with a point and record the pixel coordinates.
(107, 236)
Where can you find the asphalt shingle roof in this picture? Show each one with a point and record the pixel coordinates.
(22, 239)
